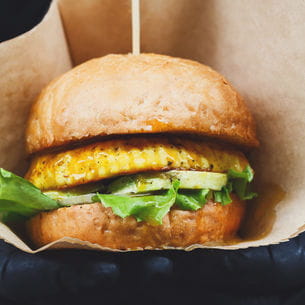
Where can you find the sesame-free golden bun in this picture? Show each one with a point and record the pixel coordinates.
(132, 94)
(97, 224)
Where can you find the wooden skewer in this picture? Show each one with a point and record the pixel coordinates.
(135, 11)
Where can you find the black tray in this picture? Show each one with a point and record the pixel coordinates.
(264, 275)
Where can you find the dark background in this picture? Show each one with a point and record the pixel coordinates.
(266, 275)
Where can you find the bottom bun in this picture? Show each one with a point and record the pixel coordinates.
(97, 224)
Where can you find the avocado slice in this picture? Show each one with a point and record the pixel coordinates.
(148, 182)
(76, 191)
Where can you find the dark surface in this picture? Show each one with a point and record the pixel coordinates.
(264, 275)
(267, 275)
(19, 16)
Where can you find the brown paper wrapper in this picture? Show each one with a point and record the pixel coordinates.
(257, 45)
(27, 63)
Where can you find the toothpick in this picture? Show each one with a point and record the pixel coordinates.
(135, 11)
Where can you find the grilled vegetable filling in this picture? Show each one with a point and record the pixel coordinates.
(114, 158)
(136, 177)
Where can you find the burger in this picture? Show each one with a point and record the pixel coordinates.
(135, 152)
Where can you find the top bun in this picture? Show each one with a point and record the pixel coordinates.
(147, 93)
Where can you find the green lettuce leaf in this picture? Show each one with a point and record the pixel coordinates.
(19, 196)
(19, 199)
(150, 208)
(240, 183)
(12, 217)
(223, 196)
(192, 199)
(246, 174)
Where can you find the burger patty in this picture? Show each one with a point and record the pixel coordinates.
(112, 158)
